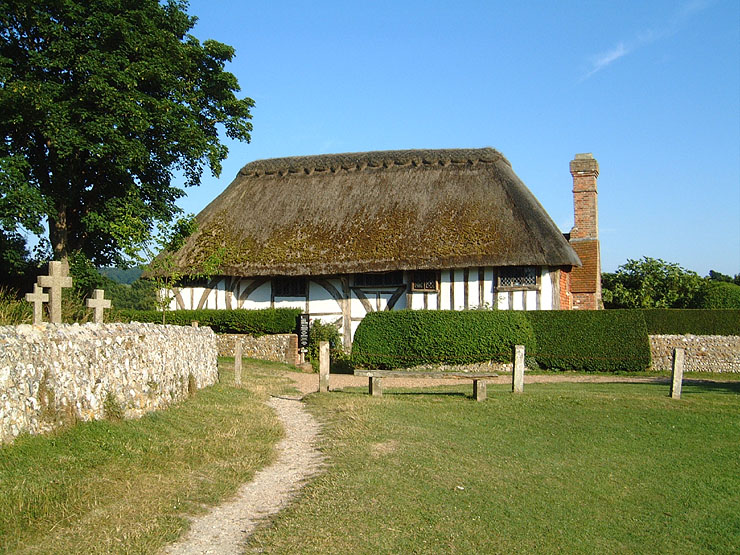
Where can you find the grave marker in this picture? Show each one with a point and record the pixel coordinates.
(55, 282)
(99, 303)
(38, 298)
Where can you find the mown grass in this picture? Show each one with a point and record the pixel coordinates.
(103, 487)
(566, 467)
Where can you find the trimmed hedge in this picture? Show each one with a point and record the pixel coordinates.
(673, 321)
(591, 341)
(405, 338)
(720, 294)
(253, 322)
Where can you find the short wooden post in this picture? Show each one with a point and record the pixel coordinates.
(678, 360)
(479, 390)
(375, 385)
(517, 377)
(324, 363)
(194, 323)
(238, 363)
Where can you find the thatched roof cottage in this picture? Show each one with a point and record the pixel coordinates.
(342, 235)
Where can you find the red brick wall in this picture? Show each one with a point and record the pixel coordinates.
(585, 282)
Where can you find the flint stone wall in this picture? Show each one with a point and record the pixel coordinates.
(703, 353)
(277, 348)
(57, 374)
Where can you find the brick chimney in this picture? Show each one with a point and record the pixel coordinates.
(585, 282)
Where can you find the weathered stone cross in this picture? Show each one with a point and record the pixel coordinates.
(98, 303)
(38, 298)
(55, 281)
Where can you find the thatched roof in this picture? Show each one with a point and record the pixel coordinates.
(374, 212)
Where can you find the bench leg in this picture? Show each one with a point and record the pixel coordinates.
(375, 386)
(479, 390)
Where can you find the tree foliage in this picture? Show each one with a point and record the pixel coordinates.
(100, 102)
(651, 283)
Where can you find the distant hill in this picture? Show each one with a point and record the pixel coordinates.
(122, 275)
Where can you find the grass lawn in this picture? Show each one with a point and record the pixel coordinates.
(125, 487)
(567, 467)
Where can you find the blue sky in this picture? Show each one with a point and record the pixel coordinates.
(652, 89)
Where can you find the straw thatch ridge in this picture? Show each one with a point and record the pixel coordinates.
(374, 212)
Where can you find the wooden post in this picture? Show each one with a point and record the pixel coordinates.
(324, 366)
(479, 390)
(517, 376)
(375, 385)
(238, 362)
(678, 360)
(38, 298)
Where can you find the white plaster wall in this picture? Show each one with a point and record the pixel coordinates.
(459, 288)
(546, 289)
(444, 290)
(488, 281)
(260, 297)
(321, 301)
(473, 288)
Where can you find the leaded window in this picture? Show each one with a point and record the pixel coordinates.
(424, 280)
(517, 277)
(289, 287)
(383, 279)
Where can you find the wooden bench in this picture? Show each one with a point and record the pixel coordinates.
(375, 383)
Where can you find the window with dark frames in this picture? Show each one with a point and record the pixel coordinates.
(424, 280)
(289, 287)
(517, 277)
(385, 279)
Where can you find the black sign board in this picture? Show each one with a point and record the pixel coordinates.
(304, 322)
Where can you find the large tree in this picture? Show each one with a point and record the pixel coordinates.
(651, 283)
(100, 103)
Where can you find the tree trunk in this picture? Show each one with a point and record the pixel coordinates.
(59, 233)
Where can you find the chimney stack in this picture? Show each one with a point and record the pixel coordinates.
(585, 282)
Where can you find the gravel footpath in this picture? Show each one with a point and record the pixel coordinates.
(225, 528)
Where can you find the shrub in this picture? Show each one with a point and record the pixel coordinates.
(720, 294)
(592, 341)
(319, 332)
(252, 322)
(695, 322)
(413, 337)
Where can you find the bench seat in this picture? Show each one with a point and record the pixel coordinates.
(375, 384)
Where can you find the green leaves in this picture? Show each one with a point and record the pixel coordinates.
(100, 102)
(651, 283)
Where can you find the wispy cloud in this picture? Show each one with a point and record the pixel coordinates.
(671, 26)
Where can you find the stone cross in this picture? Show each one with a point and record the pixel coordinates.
(55, 281)
(38, 298)
(98, 303)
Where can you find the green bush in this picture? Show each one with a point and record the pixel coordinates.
(407, 338)
(591, 341)
(252, 322)
(319, 332)
(696, 322)
(719, 294)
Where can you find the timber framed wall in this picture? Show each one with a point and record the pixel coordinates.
(345, 300)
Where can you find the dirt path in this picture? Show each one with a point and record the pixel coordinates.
(225, 529)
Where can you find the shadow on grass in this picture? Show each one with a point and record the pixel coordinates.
(706, 386)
